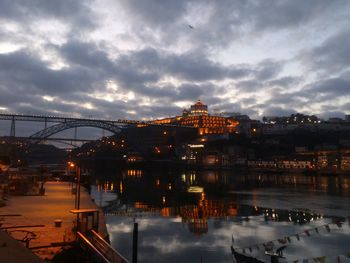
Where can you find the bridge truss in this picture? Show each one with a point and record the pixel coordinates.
(65, 123)
(61, 124)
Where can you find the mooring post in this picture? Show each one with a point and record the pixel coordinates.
(134, 243)
(274, 259)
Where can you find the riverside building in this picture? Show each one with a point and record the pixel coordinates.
(197, 116)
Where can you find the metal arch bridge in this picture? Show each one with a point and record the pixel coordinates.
(64, 123)
(47, 132)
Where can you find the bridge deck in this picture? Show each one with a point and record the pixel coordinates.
(62, 119)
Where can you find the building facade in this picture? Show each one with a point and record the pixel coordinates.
(197, 116)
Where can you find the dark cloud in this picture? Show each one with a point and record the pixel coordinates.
(345, 107)
(187, 66)
(284, 82)
(24, 72)
(225, 20)
(169, 62)
(156, 13)
(89, 69)
(333, 55)
(197, 67)
(86, 55)
(248, 101)
(234, 107)
(194, 92)
(77, 13)
(331, 114)
(262, 77)
(247, 86)
(282, 99)
(327, 90)
(158, 111)
(278, 111)
(285, 14)
(268, 69)
(212, 101)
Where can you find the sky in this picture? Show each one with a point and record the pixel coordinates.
(147, 59)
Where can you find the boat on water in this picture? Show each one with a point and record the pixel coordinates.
(242, 258)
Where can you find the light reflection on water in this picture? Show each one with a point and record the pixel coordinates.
(192, 216)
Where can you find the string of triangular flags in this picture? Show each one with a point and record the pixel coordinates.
(339, 258)
(268, 245)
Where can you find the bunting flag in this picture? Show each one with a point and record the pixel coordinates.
(268, 246)
(320, 259)
(282, 240)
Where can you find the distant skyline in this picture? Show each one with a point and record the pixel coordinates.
(146, 59)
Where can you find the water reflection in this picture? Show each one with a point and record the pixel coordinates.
(188, 215)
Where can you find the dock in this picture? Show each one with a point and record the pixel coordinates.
(48, 217)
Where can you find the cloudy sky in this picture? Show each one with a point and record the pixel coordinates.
(140, 59)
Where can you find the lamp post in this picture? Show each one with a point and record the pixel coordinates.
(70, 165)
(77, 192)
(78, 188)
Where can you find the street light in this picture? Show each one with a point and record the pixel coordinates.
(77, 190)
(78, 193)
(77, 185)
(70, 165)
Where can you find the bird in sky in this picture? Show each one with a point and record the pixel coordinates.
(190, 26)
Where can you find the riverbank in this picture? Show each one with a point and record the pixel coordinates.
(108, 166)
(44, 210)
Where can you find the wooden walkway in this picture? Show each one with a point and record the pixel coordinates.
(44, 210)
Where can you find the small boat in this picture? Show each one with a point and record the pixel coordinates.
(241, 258)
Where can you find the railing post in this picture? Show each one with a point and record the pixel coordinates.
(134, 243)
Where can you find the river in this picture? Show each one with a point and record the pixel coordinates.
(195, 216)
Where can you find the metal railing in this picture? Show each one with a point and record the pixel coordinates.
(109, 252)
(101, 248)
(86, 242)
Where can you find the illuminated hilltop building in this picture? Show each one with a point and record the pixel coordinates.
(199, 109)
(197, 116)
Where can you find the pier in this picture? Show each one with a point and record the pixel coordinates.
(48, 218)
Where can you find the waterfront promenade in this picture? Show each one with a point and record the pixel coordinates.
(44, 210)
